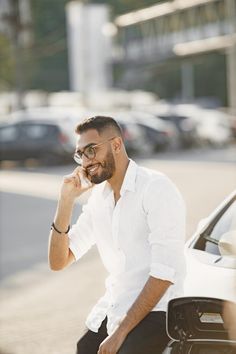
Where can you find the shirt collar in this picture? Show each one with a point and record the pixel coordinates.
(128, 182)
(130, 178)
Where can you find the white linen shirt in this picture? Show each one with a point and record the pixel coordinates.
(141, 235)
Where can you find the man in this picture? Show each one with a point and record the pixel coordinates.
(136, 217)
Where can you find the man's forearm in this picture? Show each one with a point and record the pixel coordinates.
(59, 253)
(59, 244)
(152, 292)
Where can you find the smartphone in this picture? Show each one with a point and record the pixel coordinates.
(85, 182)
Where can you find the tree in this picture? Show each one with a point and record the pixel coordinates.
(46, 62)
(122, 6)
(49, 52)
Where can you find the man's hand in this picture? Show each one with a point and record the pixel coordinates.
(112, 343)
(73, 185)
(147, 299)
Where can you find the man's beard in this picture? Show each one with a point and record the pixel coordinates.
(108, 169)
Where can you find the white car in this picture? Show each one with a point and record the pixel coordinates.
(213, 127)
(211, 254)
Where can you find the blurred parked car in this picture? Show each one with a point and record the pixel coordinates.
(184, 125)
(232, 122)
(211, 254)
(49, 141)
(197, 325)
(154, 134)
(163, 135)
(133, 135)
(213, 128)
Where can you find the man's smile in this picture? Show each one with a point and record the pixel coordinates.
(92, 169)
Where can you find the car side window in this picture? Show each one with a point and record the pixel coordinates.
(8, 134)
(36, 131)
(226, 223)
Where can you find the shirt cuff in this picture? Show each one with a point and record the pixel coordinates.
(74, 250)
(163, 272)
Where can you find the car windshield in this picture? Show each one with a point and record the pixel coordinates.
(226, 223)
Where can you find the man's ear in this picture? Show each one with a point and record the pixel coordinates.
(116, 144)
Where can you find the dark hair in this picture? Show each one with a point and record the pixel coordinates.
(99, 123)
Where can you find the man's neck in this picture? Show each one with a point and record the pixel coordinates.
(117, 180)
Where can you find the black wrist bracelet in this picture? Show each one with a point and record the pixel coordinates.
(53, 227)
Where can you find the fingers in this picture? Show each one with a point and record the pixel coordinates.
(72, 178)
(79, 178)
(82, 172)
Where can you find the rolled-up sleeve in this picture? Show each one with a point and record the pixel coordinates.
(81, 234)
(165, 210)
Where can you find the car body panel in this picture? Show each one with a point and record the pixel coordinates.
(210, 274)
(206, 279)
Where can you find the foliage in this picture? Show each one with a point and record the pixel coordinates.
(122, 6)
(49, 64)
(49, 52)
(45, 64)
(6, 64)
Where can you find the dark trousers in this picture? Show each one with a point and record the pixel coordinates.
(148, 337)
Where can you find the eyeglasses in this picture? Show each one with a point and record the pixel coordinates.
(89, 151)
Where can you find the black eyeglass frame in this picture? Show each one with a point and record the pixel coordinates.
(78, 155)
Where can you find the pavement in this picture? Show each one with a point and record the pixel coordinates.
(43, 312)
